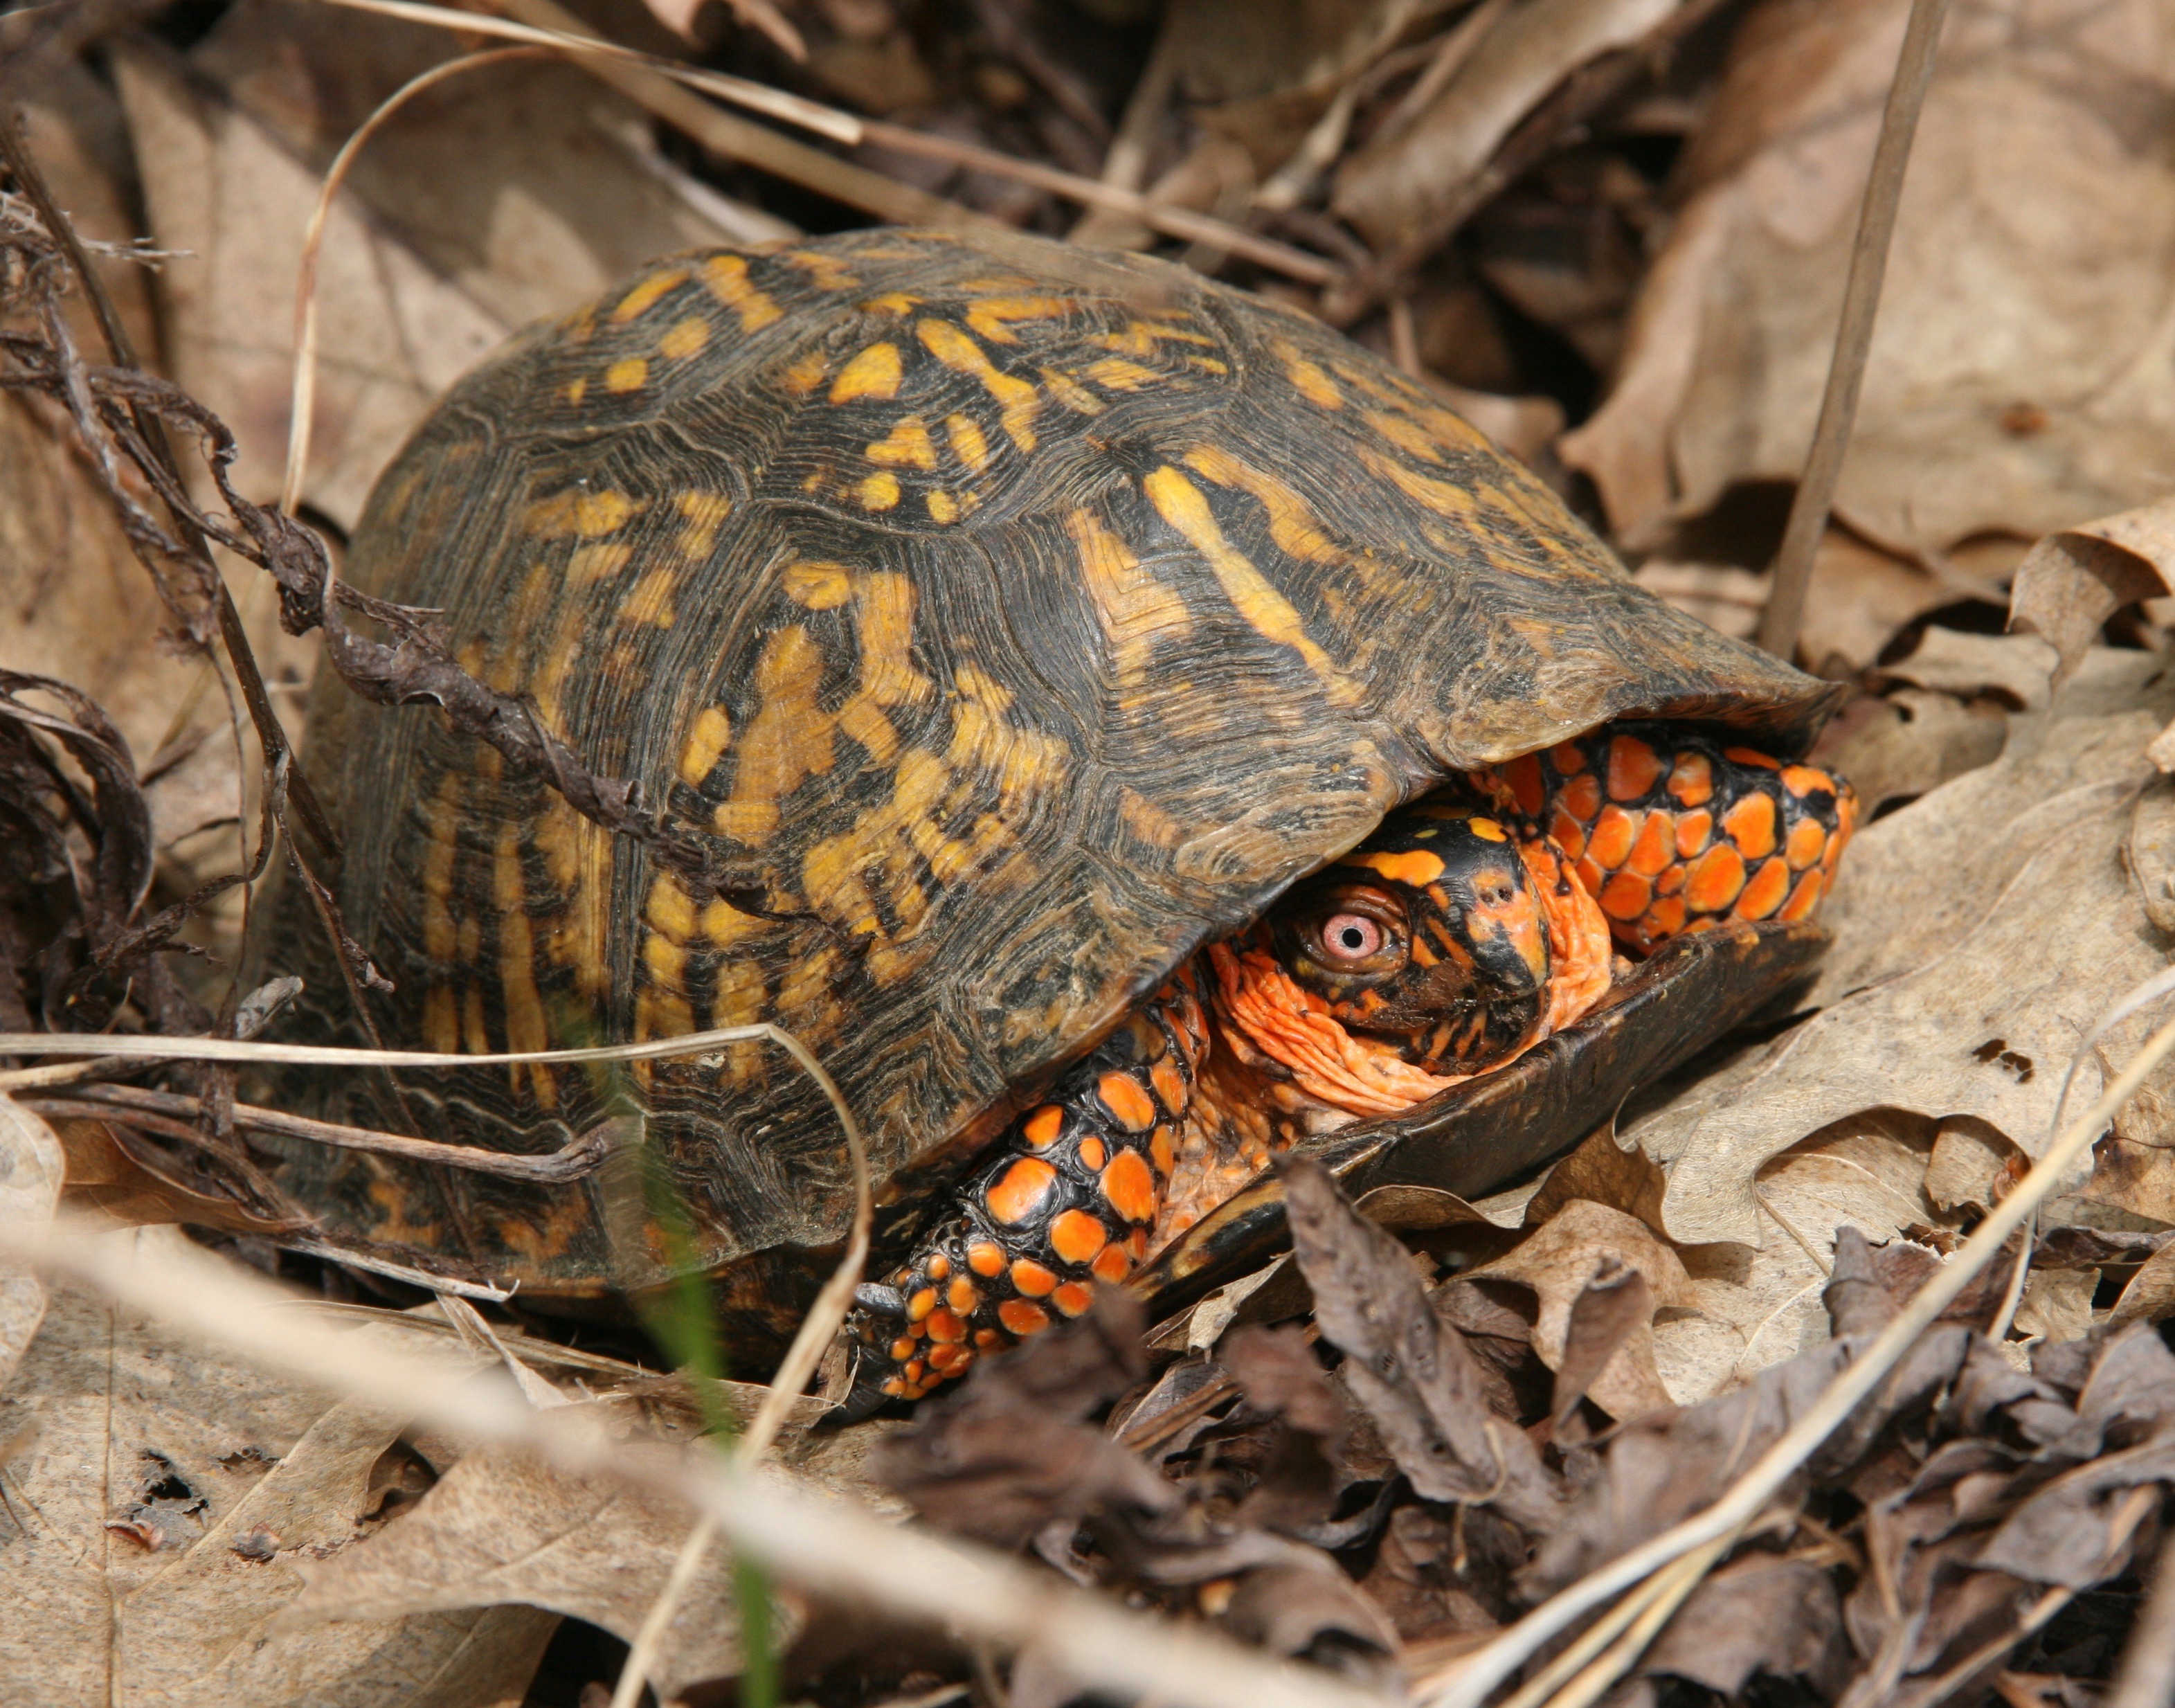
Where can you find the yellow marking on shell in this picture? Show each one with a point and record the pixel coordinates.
(1441, 496)
(628, 376)
(578, 855)
(1070, 392)
(907, 446)
(1027, 764)
(704, 511)
(878, 492)
(874, 373)
(968, 444)
(1266, 612)
(471, 949)
(1017, 401)
(650, 603)
(1308, 379)
(1147, 821)
(575, 391)
(942, 506)
(670, 909)
(884, 626)
(685, 339)
(1115, 374)
(788, 740)
(553, 1233)
(442, 1023)
(1384, 385)
(805, 997)
(646, 293)
(1487, 829)
(581, 514)
(727, 276)
(725, 925)
(740, 998)
(665, 960)
(442, 831)
(525, 1027)
(1141, 336)
(591, 564)
(817, 587)
(1136, 611)
(1406, 434)
(827, 272)
(391, 1224)
(892, 303)
(806, 374)
(1208, 365)
(1292, 521)
(476, 1036)
(993, 316)
(556, 660)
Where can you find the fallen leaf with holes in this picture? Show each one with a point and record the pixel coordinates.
(2073, 581)
(160, 1513)
(1582, 1248)
(501, 1530)
(1916, 741)
(30, 1170)
(2008, 389)
(105, 1174)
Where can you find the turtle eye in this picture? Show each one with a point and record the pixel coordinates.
(1350, 937)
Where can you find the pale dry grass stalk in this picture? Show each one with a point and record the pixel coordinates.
(826, 1547)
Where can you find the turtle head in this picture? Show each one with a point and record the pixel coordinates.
(1430, 937)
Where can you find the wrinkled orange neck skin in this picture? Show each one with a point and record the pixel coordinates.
(1267, 1010)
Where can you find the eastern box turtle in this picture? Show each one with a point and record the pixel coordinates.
(1158, 733)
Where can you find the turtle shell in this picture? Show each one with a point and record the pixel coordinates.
(1016, 620)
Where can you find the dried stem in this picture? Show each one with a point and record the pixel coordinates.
(2147, 1677)
(1861, 303)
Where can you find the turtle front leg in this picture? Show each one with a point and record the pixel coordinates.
(1672, 832)
(1066, 1198)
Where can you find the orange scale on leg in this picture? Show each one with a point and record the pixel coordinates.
(1752, 755)
(1715, 879)
(1805, 898)
(1807, 841)
(1163, 1151)
(1581, 797)
(1033, 1278)
(1567, 758)
(985, 1257)
(1569, 833)
(1130, 1185)
(1074, 1298)
(1764, 892)
(940, 1266)
(946, 1357)
(1693, 830)
(1655, 846)
(1136, 1242)
(1664, 919)
(963, 1297)
(945, 1326)
(1625, 896)
(1092, 1155)
(902, 1349)
(1021, 1318)
(1015, 1197)
(1044, 1125)
(1522, 775)
(1691, 780)
(919, 1306)
(1077, 1237)
(1804, 779)
(1670, 881)
(989, 1340)
(1633, 768)
(1169, 1082)
(1750, 824)
(1112, 1264)
(1590, 878)
(1131, 1106)
(1613, 832)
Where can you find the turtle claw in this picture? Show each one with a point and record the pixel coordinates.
(879, 1300)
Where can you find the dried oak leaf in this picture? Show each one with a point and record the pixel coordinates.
(1008, 1454)
(1760, 1614)
(220, 1459)
(1595, 1329)
(2074, 579)
(31, 1167)
(1411, 1370)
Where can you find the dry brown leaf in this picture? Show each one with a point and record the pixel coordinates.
(103, 1176)
(31, 1167)
(1387, 189)
(1859, 596)
(2057, 1304)
(1575, 1247)
(1972, 1167)
(1914, 741)
(2072, 582)
(1604, 1171)
(500, 1529)
(2019, 671)
(2151, 850)
(2011, 388)
(158, 1520)
(2150, 1296)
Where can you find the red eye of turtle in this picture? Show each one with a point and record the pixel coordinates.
(1351, 937)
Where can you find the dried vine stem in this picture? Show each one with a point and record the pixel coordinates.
(1861, 303)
